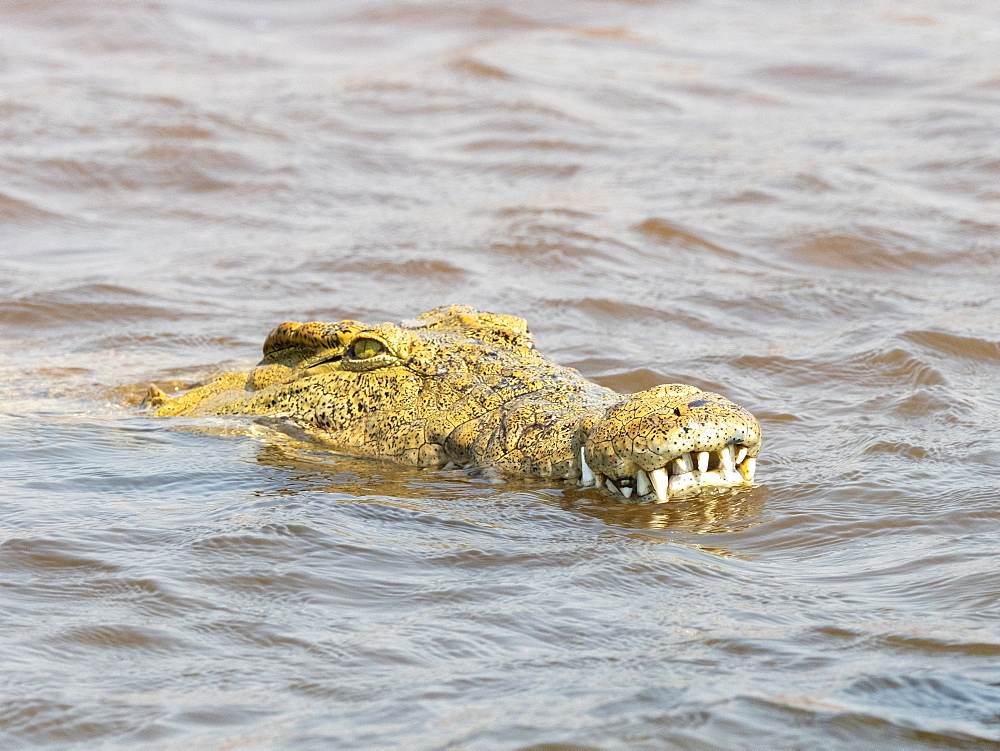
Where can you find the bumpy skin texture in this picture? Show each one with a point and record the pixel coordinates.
(456, 387)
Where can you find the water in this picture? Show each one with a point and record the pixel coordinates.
(792, 204)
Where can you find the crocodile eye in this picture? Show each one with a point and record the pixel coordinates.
(365, 348)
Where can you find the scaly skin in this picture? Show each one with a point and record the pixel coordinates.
(456, 387)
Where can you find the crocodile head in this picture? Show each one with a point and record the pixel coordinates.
(459, 388)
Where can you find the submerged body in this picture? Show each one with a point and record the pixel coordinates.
(456, 387)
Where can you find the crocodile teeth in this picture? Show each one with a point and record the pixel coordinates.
(728, 459)
(729, 465)
(619, 487)
(661, 483)
(587, 476)
(642, 483)
(681, 482)
(682, 475)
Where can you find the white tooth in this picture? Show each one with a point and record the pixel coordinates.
(741, 454)
(586, 474)
(609, 483)
(703, 461)
(714, 477)
(729, 472)
(642, 483)
(747, 469)
(728, 459)
(684, 463)
(626, 491)
(682, 482)
(661, 483)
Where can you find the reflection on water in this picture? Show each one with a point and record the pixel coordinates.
(791, 204)
(724, 512)
(306, 467)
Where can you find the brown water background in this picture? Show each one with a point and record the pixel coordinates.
(796, 204)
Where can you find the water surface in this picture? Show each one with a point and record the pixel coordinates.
(793, 204)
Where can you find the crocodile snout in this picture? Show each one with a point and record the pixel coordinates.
(670, 441)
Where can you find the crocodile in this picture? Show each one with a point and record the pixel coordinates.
(456, 387)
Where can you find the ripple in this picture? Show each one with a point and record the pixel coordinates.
(949, 345)
(816, 79)
(872, 250)
(117, 637)
(671, 233)
(944, 704)
(85, 303)
(22, 211)
(41, 720)
(807, 225)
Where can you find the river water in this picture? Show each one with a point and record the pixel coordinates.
(794, 204)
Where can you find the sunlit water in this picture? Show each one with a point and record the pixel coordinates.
(793, 204)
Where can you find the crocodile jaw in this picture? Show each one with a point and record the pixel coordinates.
(671, 441)
(686, 475)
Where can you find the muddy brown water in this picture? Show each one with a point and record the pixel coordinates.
(793, 204)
